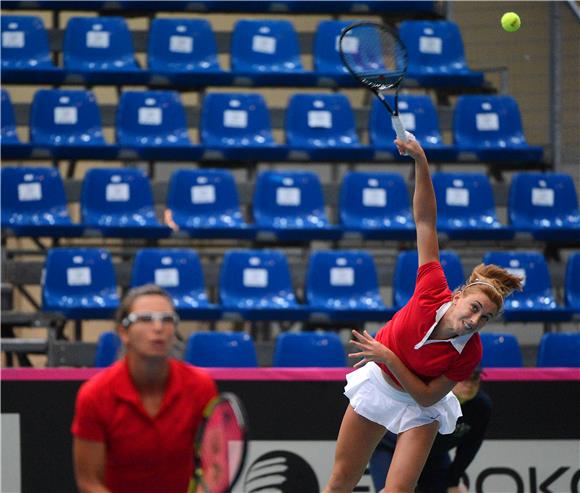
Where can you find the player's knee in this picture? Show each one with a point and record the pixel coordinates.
(341, 479)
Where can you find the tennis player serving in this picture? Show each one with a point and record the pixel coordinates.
(405, 375)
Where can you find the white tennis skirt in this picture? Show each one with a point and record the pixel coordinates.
(373, 398)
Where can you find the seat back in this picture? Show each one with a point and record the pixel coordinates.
(82, 278)
(255, 279)
(418, 115)
(326, 54)
(8, 134)
(108, 346)
(500, 350)
(178, 271)
(151, 118)
(320, 120)
(221, 349)
(181, 45)
(316, 349)
(342, 279)
(235, 119)
(117, 197)
(537, 285)
(559, 349)
(24, 42)
(543, 198)
(204, 197)
(33, 196)
(572, 282)
(265, 46)
(405, 275)
(373, 199)
(65, 117)
(289, 199)
(98, 43)
(488, 121)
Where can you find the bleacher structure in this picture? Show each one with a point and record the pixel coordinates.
(265, 195)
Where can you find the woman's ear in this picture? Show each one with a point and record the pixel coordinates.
(456, 297)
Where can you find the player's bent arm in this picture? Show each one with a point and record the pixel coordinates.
(89, 463)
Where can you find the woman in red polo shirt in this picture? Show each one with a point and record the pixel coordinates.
(403, 381)
(135, 422)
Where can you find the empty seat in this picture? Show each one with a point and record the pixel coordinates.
(179, 272)
(323, 126)
(546, 205)
(80, 283)
(418, 116)
(559, 349)
(436, 56)
(466, 207)
(8, 134)
(327, 61)
(205, 204)
(343, 286)
(256, 285)
(108, 346)
(572, 282)
(500, 350)
(314, 349)
(289, 205)
(119, 203)
(536, 302)
(376, 205)
(34, 203)
(405, 275)
(491, 128)
(221, 349)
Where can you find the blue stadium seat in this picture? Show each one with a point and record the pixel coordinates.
(8, 135)
(25, 51)
(205, 204)
(376, 205)
(256, 285)
(119, 203)
(572, 283)
(405, 274)
(327, 62)
(80, 283)
(221, 350)
(237, 126)
(100, 50)
(466, 207)
(179, 272)
(343, 286)
(309, 349)
(436, 56)
(546, 205)
(491, 128)
(184, 52)
(108, 346)
(559, 349)
(153, 123)
(419, 116)
(500, 351)
(34, 203)
(536, 303)
(322, 126)
(289, 205)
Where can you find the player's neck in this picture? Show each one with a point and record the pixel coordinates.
(149, 375)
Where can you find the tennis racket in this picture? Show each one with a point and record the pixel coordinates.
(376, 57)
(220, 445)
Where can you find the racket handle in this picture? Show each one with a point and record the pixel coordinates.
(398, 128)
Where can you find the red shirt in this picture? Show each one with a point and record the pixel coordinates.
(144, 454)
(406, 334)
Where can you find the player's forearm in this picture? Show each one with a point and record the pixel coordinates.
(424, 204)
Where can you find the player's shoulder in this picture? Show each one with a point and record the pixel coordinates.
(474, 348)
(103, 380)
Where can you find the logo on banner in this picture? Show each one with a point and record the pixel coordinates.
(281, 471)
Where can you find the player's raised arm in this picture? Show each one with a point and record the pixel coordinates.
(424, 203)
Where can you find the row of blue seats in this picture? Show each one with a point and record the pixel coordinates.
(238, 127)
(339, 286)
(286, 206)
(325, 349)
(184, 52)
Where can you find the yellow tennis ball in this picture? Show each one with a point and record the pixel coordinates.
(511, 22)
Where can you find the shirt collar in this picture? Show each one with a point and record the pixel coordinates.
(457, 342)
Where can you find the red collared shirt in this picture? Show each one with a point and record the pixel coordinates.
(144, 454)
(407, 333)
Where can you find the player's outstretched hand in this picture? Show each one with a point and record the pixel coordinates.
(410, 148)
